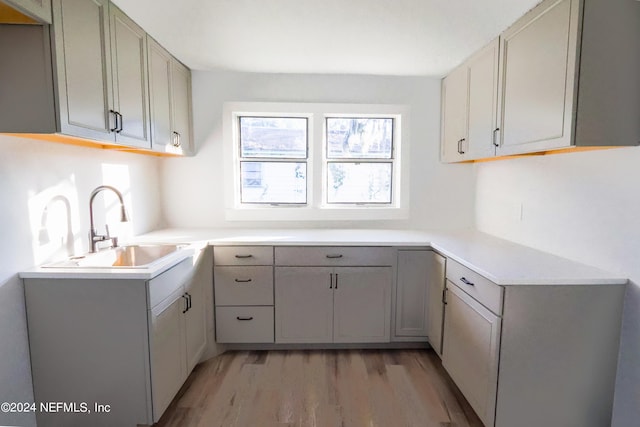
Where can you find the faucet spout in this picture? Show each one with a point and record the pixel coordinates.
(94, 237)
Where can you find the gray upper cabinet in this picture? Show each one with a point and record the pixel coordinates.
(539, 54)
(566, 78)
(83, 64)
(482, 113)
(470, 107)
(181, 92)
(454, 114)
(170, 93)
(160, 95)
(130, 86)
(38, 9)
(90, 76)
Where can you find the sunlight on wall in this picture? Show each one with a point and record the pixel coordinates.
(118, 176)
(54, 222)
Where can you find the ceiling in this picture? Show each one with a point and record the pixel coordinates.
(379, 37)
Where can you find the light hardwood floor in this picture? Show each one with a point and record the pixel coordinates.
(326, 388)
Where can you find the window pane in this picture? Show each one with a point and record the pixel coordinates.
(273, 182)
(359, 138)
(275, 137)
(359, 183)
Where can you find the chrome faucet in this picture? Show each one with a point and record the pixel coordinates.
(94, 237)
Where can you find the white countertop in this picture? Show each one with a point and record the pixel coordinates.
(502, 262)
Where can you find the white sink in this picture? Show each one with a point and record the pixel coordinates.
(132, 256)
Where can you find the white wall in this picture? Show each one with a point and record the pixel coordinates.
(44, 215)
(441, 196)
(583, 206)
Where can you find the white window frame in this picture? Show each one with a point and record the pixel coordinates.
(317, 208)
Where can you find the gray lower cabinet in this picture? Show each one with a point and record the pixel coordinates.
(38, 9)
(243, 292)
(419, 286)
(126, 343)
(333, 294)
(333, 304)
(170, 93)
(534, 355)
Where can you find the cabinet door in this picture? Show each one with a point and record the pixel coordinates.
(435, 285)
(412, 299)
(470, 350)
(83, 64)
(454, 114)
(362, 304)
(159, 95)
(168, 365)
(181, 106)
(483, 102)
(304, 304)
(131, 100)
(40, 9)
(538, 57)
(195, 321)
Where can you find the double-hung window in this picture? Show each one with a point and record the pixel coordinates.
(273, 160)
(331, 161)
(359, 160)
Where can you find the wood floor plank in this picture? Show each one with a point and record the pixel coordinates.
(320, 388)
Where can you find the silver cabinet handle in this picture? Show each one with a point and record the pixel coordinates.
(466, 282)
(176, 139)
(244, 318)
(244, 256)
(460, 145)
(334, 256)
(242, 280)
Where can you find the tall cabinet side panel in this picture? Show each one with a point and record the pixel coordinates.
(609, 102)
(561, 341)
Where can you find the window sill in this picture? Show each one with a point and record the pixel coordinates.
(306, 213)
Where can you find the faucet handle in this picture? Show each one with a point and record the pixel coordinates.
(108, 235)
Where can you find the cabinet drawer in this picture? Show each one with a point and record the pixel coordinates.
(483, 290)
(244, 324)
(243, 255)
(160, 287)
(334, 256)
(250, 285)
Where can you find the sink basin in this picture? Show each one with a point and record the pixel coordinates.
(132, 256)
